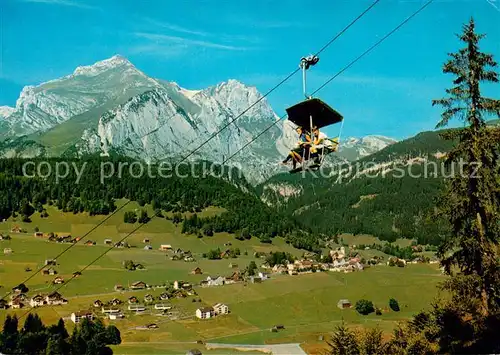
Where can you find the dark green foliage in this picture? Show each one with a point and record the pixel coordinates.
(143, 218)
(471, 201)
(279, 258)
(394, 305)
(252, 268)
(129, 217)
(364, 307)
(343, 342)
(214, 254)
(130, 265)
(88, 338)
(245, 211)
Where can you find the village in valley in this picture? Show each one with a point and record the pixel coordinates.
(123, 302)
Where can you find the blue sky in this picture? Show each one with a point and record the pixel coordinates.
(199, 43)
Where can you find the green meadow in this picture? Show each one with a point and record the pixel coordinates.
(305, 304)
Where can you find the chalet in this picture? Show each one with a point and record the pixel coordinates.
(148, 298)
(197, 271)
(108, 242)
(16, 303)
(204, 283)
(194, 352)
(118, 288)
(55, 298)
(165, 247)
(164, 296)
(133, 300)
(342, 304)
(77, 273)
(205, 313)
(7, 251)
(16, 229)
(90, 243)
(50, 262)
(136, 308)
(58, 280)
(263, 275)
(37, 301)
(109, 310)
(77, 317)
(145, 240)
(139, 285)
(220, 308)
(49, 271)
(215, 281)
(4, 304)
(178, 284)
(115, 302)
(148, 247)
(115, 316)
(234, 277)
(279, 269)
(98, 303)
(162, 306)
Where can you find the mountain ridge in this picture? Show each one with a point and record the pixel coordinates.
(92, 110)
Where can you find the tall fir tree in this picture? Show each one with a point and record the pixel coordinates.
(471, 201)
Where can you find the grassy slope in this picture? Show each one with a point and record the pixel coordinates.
(306, 304)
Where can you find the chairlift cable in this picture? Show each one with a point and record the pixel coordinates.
(218, 132)
(335, 76)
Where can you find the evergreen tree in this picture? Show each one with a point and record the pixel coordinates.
(343, 342)
(471, 201)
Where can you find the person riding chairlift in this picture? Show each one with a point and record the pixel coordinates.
(302, 147)
(323, 144)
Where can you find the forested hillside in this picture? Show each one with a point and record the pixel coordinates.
(189, 190)
(389, 194)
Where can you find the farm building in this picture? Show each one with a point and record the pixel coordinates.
(197, 271)
(55, 298)
(77, 317)
(233, 265)
(98, 303)
(162, 306)
(58, 280)
(205, 312)
(194, 352)
(37, 301)
(138, 285)
(145, 240)
(7, 251)
(38, 235)
(118, 288)
(148, 247)
(108, 242)
(115, 316)
(220, 308)
(165, 247)
(136, 308)
(342, 304)
(148, 298)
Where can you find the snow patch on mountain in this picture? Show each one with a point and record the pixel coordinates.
(6, 111)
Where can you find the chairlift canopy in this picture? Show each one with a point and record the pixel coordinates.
(322, 114)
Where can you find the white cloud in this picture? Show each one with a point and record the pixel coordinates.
(160, 38)
(71, 3)
(176, 28)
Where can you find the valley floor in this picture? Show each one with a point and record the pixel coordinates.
(305, 304)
